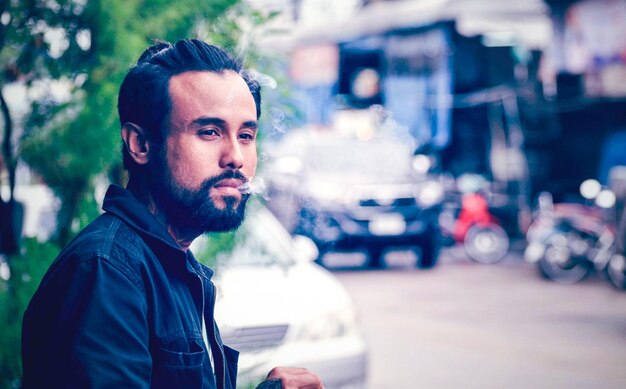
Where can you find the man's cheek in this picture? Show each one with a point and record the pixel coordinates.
(249, 170)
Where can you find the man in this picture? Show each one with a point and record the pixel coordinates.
(126, 304)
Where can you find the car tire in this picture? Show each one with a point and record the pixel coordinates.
(320, 257)
(375, 257)
(430, 249)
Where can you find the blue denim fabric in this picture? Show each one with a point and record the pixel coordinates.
(121, 307)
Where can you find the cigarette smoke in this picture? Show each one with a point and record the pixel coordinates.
(255, 186)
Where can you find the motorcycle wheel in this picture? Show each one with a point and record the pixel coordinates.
(616, 271)
(486, 244)
(559, 264)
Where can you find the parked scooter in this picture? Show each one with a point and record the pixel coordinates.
(569, 240)
(616, 270)
(616, 267)
(469, 221)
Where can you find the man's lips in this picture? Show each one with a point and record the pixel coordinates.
(229, 186)
(229, 183)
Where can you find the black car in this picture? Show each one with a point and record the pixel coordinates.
(356, 194)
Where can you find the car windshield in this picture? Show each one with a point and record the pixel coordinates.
(380, 159)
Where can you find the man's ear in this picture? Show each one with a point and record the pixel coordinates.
(136, 142)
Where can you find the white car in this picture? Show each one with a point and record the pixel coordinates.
(278, 308)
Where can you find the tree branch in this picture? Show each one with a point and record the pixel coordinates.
(7, 149)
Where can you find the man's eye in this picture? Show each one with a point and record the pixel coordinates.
(247, 136)
(208, 132)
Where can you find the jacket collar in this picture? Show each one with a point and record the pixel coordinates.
(123, 204)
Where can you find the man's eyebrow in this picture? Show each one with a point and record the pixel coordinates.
(204, 121)
(251, 124)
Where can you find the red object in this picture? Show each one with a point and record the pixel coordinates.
(474, 210)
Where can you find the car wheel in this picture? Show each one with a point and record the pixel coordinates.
(320, 260)
(375, 258)
(429, 255)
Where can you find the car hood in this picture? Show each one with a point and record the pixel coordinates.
(275, 295)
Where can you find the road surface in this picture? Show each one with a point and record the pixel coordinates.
(468, 325)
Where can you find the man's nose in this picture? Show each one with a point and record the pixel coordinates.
(232, 156)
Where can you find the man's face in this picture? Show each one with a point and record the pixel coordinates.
(208, 152)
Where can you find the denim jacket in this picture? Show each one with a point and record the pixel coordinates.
(121, 307)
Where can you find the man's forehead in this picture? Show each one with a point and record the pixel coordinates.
(194, 79)
(194, 92)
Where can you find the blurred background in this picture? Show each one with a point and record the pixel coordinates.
(440, 193)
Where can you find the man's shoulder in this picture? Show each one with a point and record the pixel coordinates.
(106, 245)
(106, 237)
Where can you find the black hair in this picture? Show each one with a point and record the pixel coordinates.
(144, 98)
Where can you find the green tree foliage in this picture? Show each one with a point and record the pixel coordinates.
(70, 142)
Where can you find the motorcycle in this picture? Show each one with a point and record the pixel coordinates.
(616, 270)
(570, 240)
(616, 267)
(470, 222)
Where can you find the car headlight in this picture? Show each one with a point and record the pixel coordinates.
(422, 163)
(332, 325)
(430, 194)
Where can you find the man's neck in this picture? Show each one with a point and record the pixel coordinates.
(183, 236)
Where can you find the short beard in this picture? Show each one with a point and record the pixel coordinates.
(194, 208)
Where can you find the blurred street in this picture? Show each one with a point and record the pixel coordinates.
(468, 325)
(386, 125)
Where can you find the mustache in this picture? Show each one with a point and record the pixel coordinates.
(228, 174)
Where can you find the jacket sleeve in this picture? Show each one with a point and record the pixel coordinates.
(87, 327)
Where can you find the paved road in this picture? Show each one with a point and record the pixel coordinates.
(467, 325)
